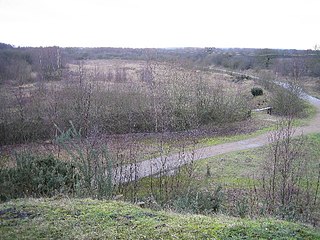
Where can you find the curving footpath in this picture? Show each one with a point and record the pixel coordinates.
(165, 164)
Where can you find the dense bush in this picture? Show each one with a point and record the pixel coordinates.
(287, 102)
(87, 173)
(200, 202)
(256, 91)
(37, 176)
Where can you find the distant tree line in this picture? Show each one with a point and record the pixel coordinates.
(281, 61)
(30, 64)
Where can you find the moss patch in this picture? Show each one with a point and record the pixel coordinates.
(93, 219)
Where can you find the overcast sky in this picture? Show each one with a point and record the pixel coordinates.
(161, 23)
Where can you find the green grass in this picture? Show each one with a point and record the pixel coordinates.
(238, 169)
(267, 126)
(171, 147)
(93, 219)
(235, 170)
(233, 138)
(310, 112)
(315, 139)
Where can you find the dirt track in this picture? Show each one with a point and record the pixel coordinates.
(154, 166)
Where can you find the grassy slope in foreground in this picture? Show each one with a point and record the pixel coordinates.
(93, 219)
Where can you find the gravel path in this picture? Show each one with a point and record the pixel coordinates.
(154, 166)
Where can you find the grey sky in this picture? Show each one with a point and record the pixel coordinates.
(165, 23)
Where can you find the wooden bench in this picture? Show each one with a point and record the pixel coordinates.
(268, 109)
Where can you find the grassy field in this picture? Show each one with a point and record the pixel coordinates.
(239, 168)
(231, 184)
(312, 85)
(93, 219)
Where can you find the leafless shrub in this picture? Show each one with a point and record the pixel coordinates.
(288, 177)
(168, 99)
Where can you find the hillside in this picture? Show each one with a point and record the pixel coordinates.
(94, 219)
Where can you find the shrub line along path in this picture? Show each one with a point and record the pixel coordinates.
(170, 163)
